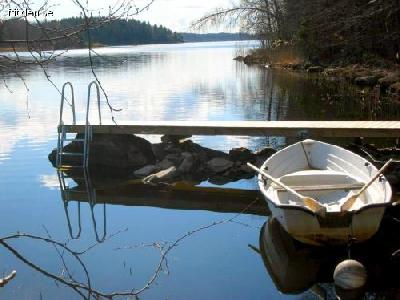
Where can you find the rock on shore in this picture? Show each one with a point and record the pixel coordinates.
(386, 78)
(179, 159)
(174, 159)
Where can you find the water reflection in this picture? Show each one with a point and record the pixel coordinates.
(298, 268)
(91, 196)
(172, 82)
(76, 275)
(180, 82)
(77, 188)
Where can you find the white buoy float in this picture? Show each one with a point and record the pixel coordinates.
(350, 275)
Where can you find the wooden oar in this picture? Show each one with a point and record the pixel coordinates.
(311, 203)
(352, 198)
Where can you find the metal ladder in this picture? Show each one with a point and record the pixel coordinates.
(61, 168)
(62, 132)
(88, 128)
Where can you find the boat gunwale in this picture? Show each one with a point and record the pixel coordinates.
(263, 189)
(308, 211)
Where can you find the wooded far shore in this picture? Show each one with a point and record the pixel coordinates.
(113, 33)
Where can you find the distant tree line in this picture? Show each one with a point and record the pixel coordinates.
(115, 32)
(190, 37)
(325, 30)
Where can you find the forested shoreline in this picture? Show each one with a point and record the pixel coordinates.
(190, 37)
(346, 31)
(358, 40)
(322, 31)
(111, 33)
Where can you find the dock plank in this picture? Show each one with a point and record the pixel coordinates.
(250, 128)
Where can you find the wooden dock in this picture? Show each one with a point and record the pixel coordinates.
(376, 129)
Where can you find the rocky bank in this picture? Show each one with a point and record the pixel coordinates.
(177, 158)
(385, 78)
(173, 159)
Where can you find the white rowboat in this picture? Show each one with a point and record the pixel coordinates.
(324, 177)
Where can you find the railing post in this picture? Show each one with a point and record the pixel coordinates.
(88, 131)
(88, 101)
(61, 135)
(61, 122)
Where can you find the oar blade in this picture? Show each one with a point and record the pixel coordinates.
(349, 203)
(313, 205)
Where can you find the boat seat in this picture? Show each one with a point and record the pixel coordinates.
(325, 187)
(319, 180)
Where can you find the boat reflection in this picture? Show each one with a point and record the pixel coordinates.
(297, 268)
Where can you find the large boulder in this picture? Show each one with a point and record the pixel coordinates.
(239, 58)
(169, 161)
(175, 158)
(120, 151)
(394, 89)
(388, 80)
(158, 150)
(219, 165)
(366, 80)
(202, 154)
(166, 149)
(163, 176)
(333, 72)
(164, 164)
(187, 164)
(114, 151)
(315, 69)
(145, 171)
(263, 154)
(174, 139)
(255, 58)
(241, 154)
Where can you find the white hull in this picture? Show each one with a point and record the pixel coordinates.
(315, 164)
(306, 227)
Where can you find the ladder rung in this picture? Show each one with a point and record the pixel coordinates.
(71, 153)
(63, 167)
(73, 177)
(74, 140)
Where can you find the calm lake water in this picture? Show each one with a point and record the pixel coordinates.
(155, 82)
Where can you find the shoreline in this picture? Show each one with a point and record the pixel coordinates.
(94, 46)
(99, 45)
(385, 79)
